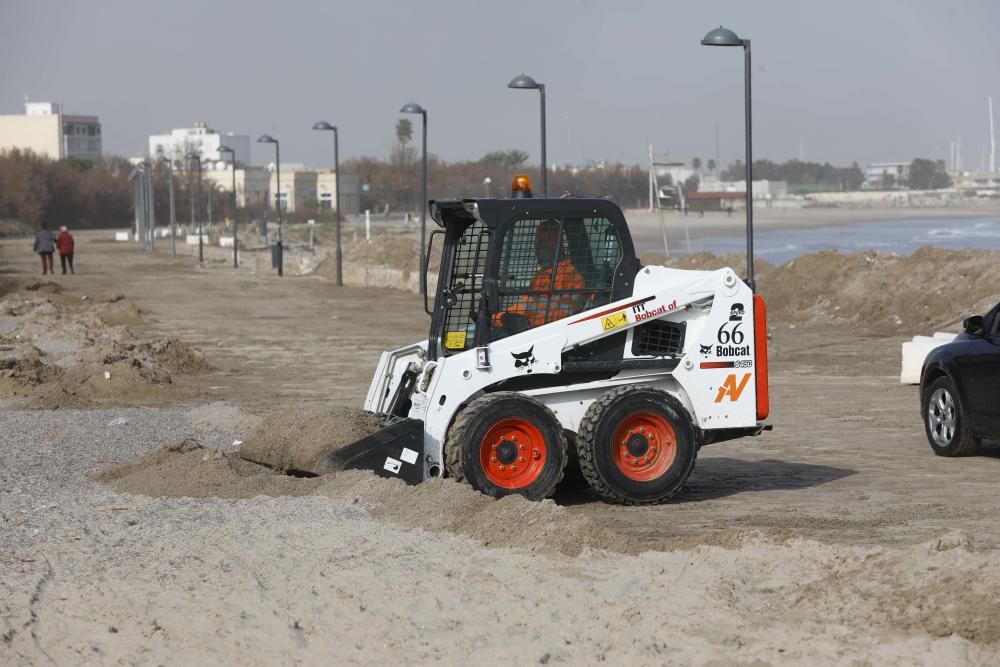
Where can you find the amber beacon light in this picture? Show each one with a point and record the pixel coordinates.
(521, 186)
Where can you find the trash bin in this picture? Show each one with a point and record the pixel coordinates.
(277, 257)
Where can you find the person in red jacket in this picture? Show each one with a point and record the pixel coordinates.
(65, 245)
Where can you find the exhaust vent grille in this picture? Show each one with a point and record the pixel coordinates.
(658, 338)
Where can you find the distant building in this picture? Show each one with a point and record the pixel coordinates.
(983, 183)
(44, 129)
(350, 195)
(716, 201)
(301, 188)
(762, 189)
(886, 175)
(202, 140)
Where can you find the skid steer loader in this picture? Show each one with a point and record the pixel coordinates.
(548, 340)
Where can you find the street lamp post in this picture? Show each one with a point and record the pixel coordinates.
(725, 37)
(413, 107)
(525, 82)
(323, 125)
(201, 246)
(173, 216)
(268, 139)
(227, 149)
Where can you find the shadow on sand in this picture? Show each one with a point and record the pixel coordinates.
(719, 477)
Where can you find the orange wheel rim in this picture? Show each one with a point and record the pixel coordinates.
(512, 453)
(644, 446)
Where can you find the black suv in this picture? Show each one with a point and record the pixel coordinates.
(960, 388)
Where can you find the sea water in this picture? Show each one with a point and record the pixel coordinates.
(889, 236)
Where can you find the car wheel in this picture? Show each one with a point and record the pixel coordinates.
(945, 421)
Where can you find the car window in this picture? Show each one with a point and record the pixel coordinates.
(995, 329)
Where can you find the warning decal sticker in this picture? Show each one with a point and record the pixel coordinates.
(614, 321)
(454, 340)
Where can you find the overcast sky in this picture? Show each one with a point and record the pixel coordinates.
(840, 81)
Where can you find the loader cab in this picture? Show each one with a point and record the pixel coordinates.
(510, 265)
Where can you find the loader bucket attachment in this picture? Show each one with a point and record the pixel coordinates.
(394, 451)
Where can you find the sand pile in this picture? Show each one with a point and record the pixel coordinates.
(188, 470)
(59, 351)
(870, 293)
(295, 439)
(398, 252)
(941, 588)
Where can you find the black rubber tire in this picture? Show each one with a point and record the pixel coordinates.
(963, 442)
(593, 443)
(461, 446)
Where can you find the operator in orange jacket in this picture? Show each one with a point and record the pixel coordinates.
(542, 305)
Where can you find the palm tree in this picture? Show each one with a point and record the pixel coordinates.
(404, 131)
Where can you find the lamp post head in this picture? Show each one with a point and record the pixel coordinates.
(524, 82)
(226, 149)
(266, 139)
(412, 107)
(323, 125)
(721, 37)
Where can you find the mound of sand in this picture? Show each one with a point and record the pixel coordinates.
(294, 439)
(398, 252)
(869, 293)
(223, 417)
(60, 351)
(188, 470)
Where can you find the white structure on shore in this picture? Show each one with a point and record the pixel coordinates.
(879, 175)
(44, 129)
(202, 140)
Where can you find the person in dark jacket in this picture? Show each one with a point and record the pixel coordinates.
(65, 245)
(45, 245)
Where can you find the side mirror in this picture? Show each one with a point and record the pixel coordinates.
(975, 325)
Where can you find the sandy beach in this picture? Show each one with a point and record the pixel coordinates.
(132, 535)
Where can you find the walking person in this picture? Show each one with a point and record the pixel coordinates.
(65, 245)
(45, 245)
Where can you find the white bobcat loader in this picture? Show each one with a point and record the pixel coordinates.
(549, 340)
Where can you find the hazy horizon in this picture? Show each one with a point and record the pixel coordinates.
(838, 83)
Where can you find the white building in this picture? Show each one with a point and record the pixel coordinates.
(201, 140)
(762, 189)
(879, 175)
(44, 129)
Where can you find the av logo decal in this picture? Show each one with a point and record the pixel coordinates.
(731, 389)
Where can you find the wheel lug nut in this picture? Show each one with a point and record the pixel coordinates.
(513, 467)
(493, 458)
(514, 438)
(635, 461)
(520, 446)
(521, 459)
(501, 467)
(494, 446)
(642, 430)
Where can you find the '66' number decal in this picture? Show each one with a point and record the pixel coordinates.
(734, 335)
